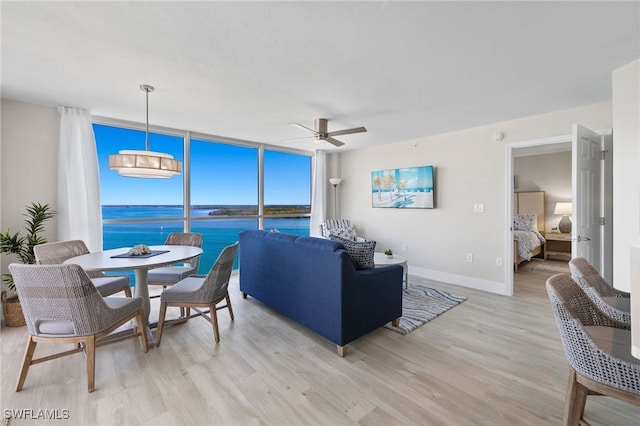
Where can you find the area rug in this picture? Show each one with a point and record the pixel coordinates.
(557, 269)
(422, 304)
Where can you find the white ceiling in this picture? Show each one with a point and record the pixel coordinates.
(246, 70)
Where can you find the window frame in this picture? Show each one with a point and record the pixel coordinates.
(186, 171)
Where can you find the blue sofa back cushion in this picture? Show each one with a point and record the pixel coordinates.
(361, 253)
(271, 261)
(314, 282)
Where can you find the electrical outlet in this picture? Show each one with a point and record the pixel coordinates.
(469, 257)
(478, 208)
(404, 248)
(498, 261)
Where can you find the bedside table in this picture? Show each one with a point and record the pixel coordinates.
(558, 244)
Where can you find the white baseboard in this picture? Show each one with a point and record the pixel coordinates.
(461, 280)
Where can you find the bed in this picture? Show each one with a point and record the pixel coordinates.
(528, 226)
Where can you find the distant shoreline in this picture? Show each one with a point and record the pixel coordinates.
(228, 209)
(209, 206)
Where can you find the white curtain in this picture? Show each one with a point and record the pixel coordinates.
(318, 193)
(79, 208)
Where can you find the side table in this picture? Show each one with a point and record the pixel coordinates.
(558, 244)
(381, 259)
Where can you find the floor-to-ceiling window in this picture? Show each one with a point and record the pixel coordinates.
(224, 194)
(287, 192)
(137, 211)
(220, 193)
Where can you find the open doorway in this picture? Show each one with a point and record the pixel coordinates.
(557, 145)
(538, 148)
(542, 186)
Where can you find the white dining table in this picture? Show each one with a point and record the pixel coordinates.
(106, 261)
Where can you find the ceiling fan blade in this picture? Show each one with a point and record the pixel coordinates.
(333, 141)
(300, 126)
(298, 139)
(347, 131)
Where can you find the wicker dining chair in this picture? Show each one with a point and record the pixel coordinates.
(597, 347)
(58, 252)
(613, 302)
(61, 305)
(169, 275)
(201, 292)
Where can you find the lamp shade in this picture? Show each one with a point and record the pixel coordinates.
(144, 164)
(335, 181)
(563, 208)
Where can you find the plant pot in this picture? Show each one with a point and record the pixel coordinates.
(12, 310)
(389, 256)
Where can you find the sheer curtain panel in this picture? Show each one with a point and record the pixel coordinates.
(79, 207)
(318, 193)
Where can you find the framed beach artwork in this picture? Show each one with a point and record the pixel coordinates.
(408, 188)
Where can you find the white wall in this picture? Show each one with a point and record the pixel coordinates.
(470, 169)
(28, 160)
(626, 170)
(550, 173)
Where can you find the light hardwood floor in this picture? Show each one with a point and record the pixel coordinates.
(493, 360)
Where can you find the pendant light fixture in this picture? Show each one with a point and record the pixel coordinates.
(145, 164)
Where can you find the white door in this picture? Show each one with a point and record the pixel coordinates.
(586, 186)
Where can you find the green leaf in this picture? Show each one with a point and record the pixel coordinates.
(7, 279)
(37, 214)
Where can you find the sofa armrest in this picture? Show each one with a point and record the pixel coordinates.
(370, 299)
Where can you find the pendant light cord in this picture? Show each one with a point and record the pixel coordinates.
(146, 140)
(147, 89)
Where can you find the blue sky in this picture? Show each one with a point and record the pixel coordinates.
(220, 173)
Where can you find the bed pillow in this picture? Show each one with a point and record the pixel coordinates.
(361, 253)
(525, 222)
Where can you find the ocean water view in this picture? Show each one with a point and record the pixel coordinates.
(217, 231)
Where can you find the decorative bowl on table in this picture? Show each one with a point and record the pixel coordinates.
(139, 250)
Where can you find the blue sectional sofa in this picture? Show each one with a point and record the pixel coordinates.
(314, 282)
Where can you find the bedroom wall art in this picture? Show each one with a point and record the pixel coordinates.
(407, 188)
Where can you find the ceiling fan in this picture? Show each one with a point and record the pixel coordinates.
(321, 134)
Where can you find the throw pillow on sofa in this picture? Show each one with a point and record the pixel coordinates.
(346, 233)
(361, 252)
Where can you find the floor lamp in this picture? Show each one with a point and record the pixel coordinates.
(335, 182)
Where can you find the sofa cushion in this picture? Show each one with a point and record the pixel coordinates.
(361, 252)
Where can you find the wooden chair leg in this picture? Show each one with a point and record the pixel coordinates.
(395, 322)
(91, 362)
(229, 306)
(127, 291)
(143, 331)
(575, 401)
(214, 322)
(163, 312)
(26, 363)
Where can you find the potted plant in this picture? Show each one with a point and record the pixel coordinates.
(22, 246)
(388, 253)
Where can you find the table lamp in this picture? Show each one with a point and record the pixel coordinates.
(566, 210)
